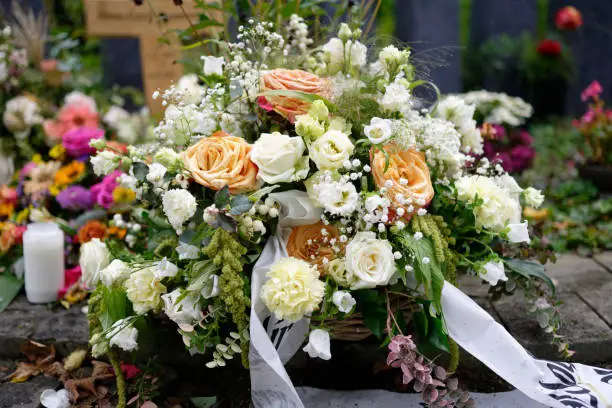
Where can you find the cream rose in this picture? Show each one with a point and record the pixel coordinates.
(317, 244)
(330, 151)
(291, 80)
(280, 158)
(144, 290)
(293, 289)
(222, 160)
(94, 257)
(369, 261)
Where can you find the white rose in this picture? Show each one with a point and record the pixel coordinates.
(280, 158)
(94, 257)
(166, 269)
(378, 131)
(369, 261)
(104, 162)
(331, 150)
(213, 65)
(533, 197)
(144, 290)
(179, 206)
(518, 233)
(186, 251)
(116, 271)
(192, 91)
(344, 301)
(318, 345)
(115, 115)
(156, 174)
(187, 311)
(494, 272)
(123, 335)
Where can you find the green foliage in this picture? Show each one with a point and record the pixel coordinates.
(9, 288)
(429, 331)
(372, 305)
(226, 252)
(530, 270)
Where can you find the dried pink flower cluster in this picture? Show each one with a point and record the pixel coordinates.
(437, 390)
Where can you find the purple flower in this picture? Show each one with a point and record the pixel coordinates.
(102, 192)
(75, 198)
(76, 141)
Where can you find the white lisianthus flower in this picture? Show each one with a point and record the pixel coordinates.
(494, 272)
(533, 197)
(498, 207)
(337, 198)
(344, 301)
(339, 52)
(396, 98)
(79, 98)
(156, 174)
(211, 288)
(318, 345)
(293, 289)
(369, 261)
(331, 150)
(187, 311)
(518, 233)
(308, 127)
(55, 399)
(179, 206)
(144, 290)
(378, 131)
(187, 251)
(20, 114)
(166, 269)
(116, 271)
(168, 157)
(336, 268)
(213, 65)
(115, 115)
(94, 257)
(391, 57)
(192, 91)
(104, 162)
(123, 335)
(280, 158)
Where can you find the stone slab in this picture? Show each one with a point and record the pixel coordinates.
(585, 331)
(317, 398)
(572, 272)
(600, 299)
(604, 259)
(473, 286)
(26, 394)
(20, 321)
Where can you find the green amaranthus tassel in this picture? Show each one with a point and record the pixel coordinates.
(227, 252)
(435, 228)
(454, 356)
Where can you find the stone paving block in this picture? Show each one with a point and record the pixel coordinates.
(473, 286)
(605, 259)
(26, 394)
(572, 272)
(586, 332)
(600, 299)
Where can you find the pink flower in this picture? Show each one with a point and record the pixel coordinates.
(71, 276)
(71, 116)
(588, 117)
(591, 91)
(102, 192)
(76, 141)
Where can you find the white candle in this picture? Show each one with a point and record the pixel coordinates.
(43, 253)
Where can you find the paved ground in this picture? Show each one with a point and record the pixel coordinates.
(584, 286)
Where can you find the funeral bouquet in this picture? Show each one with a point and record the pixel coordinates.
(295, 182)
(501, 118)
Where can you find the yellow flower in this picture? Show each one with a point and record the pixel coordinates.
(57, 152)
(22, 216)
(123, 195)
(6, 209)
(68, 174)
(37, 158)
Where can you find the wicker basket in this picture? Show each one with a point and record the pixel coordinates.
(353, 329)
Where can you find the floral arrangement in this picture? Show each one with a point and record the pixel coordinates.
(500, 117)
(401, 204)
(595, 125)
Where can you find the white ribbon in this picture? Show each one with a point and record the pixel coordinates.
(274, 342)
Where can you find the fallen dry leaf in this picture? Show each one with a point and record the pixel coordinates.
(75, 360)
(40, 357)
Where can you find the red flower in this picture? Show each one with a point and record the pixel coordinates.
(129, 370)
(568, 19)
(549, 48)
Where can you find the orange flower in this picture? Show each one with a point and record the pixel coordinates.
(11, 235)
(407, 181)
(6, 209)
(116, 232)
(69, 173)
(316, 244)
(222, 160)
(291, 80)
(92, 229)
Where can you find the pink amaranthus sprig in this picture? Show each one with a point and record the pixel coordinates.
(436, 387)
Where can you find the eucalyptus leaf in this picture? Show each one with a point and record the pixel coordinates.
(204, 402)
(529, 270)
(222, 197)
(240, 204)
(140, 170)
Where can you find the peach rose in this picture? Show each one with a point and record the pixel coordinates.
(410, 182)
(311, 244)
(291, 80)
(222, 160)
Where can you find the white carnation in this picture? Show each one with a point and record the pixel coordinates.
(533, 197)
(179, 206)
(337, 198)
(396, 98)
